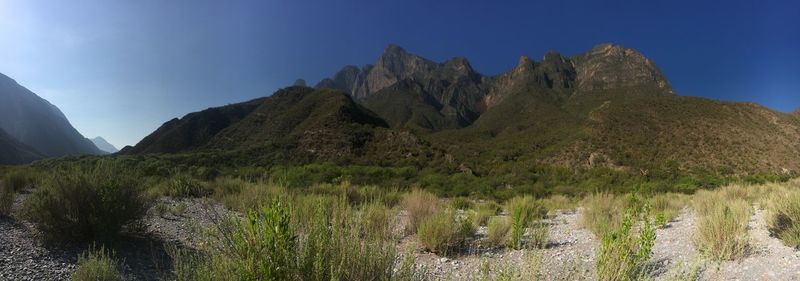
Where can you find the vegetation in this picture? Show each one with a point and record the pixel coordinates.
(602, 213)
(721, 232)
(420, 205)
(497, 231)
(625, 250)
(6, 199)
(783, 216)
(444, 231)
(522, 210)
(97, 265)
(85, 203)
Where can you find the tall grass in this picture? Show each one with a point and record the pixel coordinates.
(21, 178)
(602, 213)
(444, 231)
(497, 231)
(722, 228)
(666, 207)
(484, 212)
(625, 250)
(419, 205)
(522, 211)
(6, 199)
(783, 216)
(97, 264)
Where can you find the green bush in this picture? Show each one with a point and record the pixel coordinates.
(625, 251)
(461, 203)
(97, 265)
(6, 199)
(85, 203)
(21, 178)
(444, 231)
(184, 185)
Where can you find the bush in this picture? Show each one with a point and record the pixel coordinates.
(419, 205)
(87, 203)
(783, 217)
(184, 185)
(667, 207)
(522, 210)
(443, 231)
(6, 199)
(461, 203)
(722, 231)
(97, 265)
(497, 231)
(602, 213)
(376, 221)
(243, 196)
(624, 251)
(539, 235)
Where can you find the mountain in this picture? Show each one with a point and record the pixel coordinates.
(14, 152)
(32, 120)
(295, 124)
(103, 145)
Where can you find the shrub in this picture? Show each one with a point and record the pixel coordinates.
(484, 212)
(558, 202)
(20, 178)
(184, 185)
(602, 213)
(497, 231)
(625, 250)
(95, 265)
(522, 211)
(461, 203)
(6, 199)
(667, 207)
(722, 232)
(419, 205)
(244, 196)
(783, 217)
(539, 235)
(179, 209)
(443, 231)
(376, 221)
(87, 203)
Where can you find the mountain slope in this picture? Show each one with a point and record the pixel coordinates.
(103, 145)
(37, 123)
(14, 152)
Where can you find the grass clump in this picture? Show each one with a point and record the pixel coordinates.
(444, 231)
(783, 216)
(484, 212)
(602, 213)
(97, 265)
(722, 230)
(184, 185)
(667, 207)
(497, 231)
(461, 203)
(240, 195)
(625, 250)
(85, 203)
(419, 204)
(20, 178)
(522, 211)
(6, 199)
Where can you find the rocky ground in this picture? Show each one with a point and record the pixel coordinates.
(570, 254)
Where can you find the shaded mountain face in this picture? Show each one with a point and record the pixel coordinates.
(103, 145)
(14, 152)
(295, 125)
(37, 123)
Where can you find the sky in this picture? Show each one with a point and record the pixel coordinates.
(119, 69)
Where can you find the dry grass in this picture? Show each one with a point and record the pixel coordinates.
(497, 231)
(484, 212)
(443, 231)
(419, 204)
(722, 228)
(783, 215)
(6, 199)
(666, 207)
(602, 213)
(558, 202)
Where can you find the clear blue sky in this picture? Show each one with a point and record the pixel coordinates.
(119, 69)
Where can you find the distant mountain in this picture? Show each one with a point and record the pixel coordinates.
(37, 123)
(14, 152)
(294, 125)
(103, 145)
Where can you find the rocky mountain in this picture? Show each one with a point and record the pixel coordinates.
(14, 152)
(35, 122)
(103, 145)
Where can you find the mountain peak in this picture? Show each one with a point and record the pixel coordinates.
(608, 66)
(393, 49)
(525, 64)
(104, 145)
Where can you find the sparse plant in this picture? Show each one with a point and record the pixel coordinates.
(97, 265)
(179, 209)
(539, 235)
(161, 209)
(6, 199)
(419, 205)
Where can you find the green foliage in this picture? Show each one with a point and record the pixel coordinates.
(419, 205)
(20, 178)
(85, 203)
(461, 203)
(444, 231)
(184, 185)
(625, 250)
(97, 265)
(602, 213)
(484, 212)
